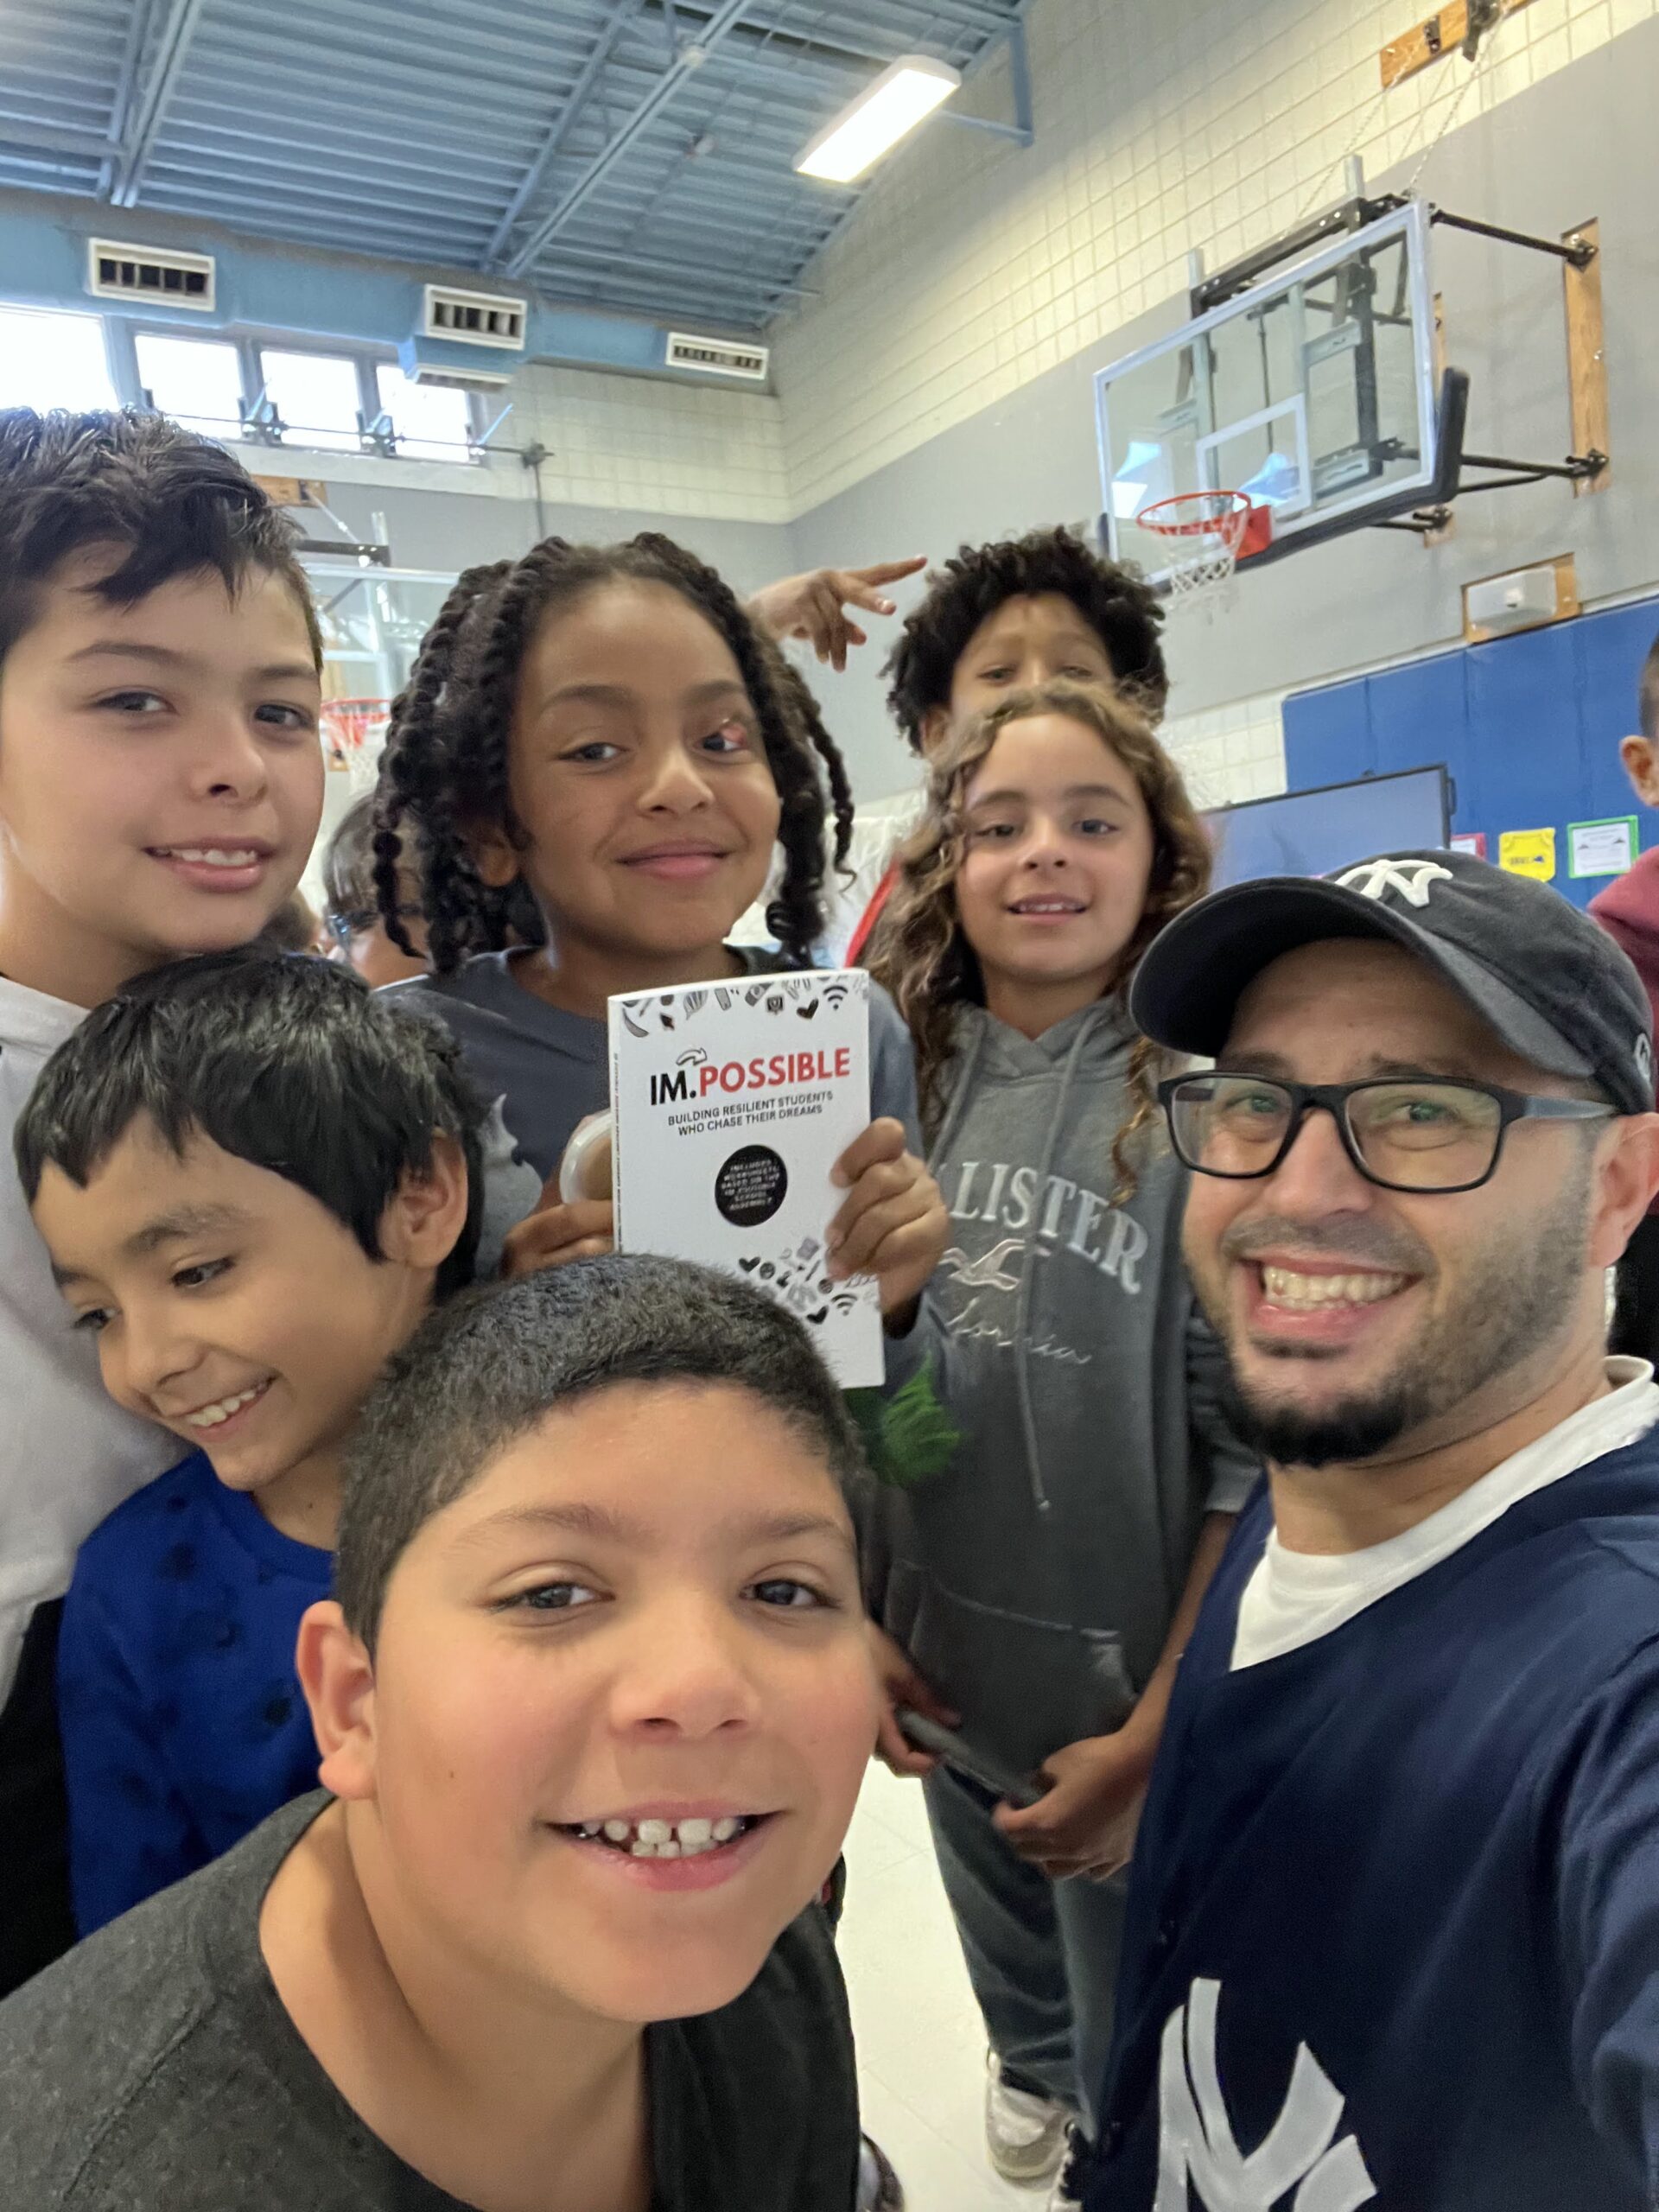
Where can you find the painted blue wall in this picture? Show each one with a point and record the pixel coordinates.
(266, 286)
(1528, 725)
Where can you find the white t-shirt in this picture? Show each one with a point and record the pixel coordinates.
(1295, 1598)
(68, 1454)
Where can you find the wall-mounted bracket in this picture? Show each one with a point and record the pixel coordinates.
(1022, 129)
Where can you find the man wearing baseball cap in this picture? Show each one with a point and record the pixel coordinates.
(1394, 1923)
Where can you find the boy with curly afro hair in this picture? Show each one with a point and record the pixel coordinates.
(1019, 612)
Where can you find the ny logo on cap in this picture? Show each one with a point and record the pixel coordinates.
(1411, 878)
(1644, 1056)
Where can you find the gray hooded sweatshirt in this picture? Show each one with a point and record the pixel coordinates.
(1034, 1580)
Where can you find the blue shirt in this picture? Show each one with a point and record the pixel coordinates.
(1393, 1932)
(183, 1723)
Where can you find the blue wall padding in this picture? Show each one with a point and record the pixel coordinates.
(1528, 727)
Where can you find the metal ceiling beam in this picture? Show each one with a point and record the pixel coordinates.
(126, 84)
(240, 61)
(52, 139)
(751, 280)
(536, 175)
(724, 19)
(172, 44)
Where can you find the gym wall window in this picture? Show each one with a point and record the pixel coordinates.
(432, 423)
(198, 381)
(54, 359)
(316, 395)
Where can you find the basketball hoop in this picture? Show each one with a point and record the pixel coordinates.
(353, 731)
(1207, 532)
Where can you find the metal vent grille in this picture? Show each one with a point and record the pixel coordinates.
(717, 357)
(474, 318)
(115, 271)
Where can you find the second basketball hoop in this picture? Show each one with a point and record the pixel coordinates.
(1206, 534)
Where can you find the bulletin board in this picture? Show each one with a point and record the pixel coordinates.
(1528, 729)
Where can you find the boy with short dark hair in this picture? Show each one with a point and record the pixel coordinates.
(595, 1702)
(253, 1177)
(1002, 617)
(161, 781)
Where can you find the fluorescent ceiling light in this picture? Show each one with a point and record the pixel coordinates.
(896, 102)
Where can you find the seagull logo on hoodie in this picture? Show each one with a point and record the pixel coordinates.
(989, 1272)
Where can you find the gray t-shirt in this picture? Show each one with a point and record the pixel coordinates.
(154, 2070)
(550, 1070)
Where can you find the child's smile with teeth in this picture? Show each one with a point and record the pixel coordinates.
(220, 1411)
(663, 1839)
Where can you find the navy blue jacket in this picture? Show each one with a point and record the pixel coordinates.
(1393, 1924)
(183, 1723)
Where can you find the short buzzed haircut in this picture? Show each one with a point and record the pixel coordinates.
(286, 1061)
(483, 1371)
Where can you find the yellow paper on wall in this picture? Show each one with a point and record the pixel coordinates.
(1528, 852)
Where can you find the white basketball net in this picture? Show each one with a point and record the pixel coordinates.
(1203, 533)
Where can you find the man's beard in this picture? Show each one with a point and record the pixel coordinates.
(1511, 1300)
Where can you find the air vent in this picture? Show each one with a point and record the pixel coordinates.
(717, 357)
(115, 271)
(474, 318)
(449, 379)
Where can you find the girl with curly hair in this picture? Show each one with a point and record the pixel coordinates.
(598, 748)
(997, 618)
(1040, 1585)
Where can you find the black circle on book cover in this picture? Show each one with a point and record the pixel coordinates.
(751, 1186)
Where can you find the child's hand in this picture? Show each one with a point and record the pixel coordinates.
(893, 1224)
(1085, 1821)
(902, 1685)
(556, 1234)
(813, 606)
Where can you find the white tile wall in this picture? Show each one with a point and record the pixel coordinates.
(1231, 752)
(972, 265)
(617, 442)
(641, 441)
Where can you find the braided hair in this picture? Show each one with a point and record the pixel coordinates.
(1122, 611)
(445, 770)
(921, 952)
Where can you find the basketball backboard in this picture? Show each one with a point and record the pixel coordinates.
(1314, 392)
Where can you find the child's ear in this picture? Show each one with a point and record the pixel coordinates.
(426, 1213)
(337, 1676)
(935, 722)
(494, 855)
(1636, 753)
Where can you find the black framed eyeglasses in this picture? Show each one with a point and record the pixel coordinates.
(1406, 1133)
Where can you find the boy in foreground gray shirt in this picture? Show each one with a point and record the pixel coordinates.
(593, 1702)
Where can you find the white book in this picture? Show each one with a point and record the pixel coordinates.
(731, 1102)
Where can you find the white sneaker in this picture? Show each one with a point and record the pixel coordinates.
(1067, 2192)
(1024, 2134)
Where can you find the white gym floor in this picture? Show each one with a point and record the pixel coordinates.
(921, 2043)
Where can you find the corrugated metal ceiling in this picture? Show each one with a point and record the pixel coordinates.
(630, 152)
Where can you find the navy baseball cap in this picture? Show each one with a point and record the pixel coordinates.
(1556, 988)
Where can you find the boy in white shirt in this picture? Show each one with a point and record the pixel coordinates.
(161, 784)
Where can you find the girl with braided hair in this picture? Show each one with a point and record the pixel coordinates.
(1041, 1585)
(602, 735)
